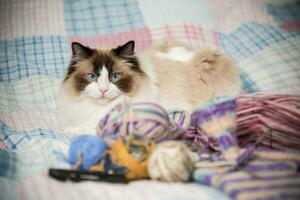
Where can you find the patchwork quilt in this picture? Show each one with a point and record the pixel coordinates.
(262, 36)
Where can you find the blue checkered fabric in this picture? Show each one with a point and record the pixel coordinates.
(89, 17)
(252, 38)
(248, 85)
(37, 55)
(15, 139)
(8, 167)
(284, 12)
(30, 150)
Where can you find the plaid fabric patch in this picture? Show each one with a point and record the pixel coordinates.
(293, 25)
(8, 189)
(192, 35)
(26, 120)
(41, 187)
(15, 140)
(8, 166)
(142, 38)
(32, 151)
(248, 85)
(231, 14)
(252, 38)
(276, 67)
(91, 18)
(3, 146)
(159, 13)
(285, 11)
(31, 17)
(27, 56)
(34, 92)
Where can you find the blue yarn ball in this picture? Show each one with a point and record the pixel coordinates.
(91, 147)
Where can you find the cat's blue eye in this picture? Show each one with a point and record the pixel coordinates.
(91, 76)
(115, 76)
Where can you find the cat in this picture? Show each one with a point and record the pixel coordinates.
(168, 73)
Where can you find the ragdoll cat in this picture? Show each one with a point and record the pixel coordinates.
(168, 73)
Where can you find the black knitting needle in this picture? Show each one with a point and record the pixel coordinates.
(80, 175)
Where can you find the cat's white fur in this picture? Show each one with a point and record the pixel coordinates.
(178, 53)
(81, 115)
(103, 84)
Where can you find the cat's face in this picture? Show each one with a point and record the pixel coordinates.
(103, 75)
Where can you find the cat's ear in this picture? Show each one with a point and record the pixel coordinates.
(78, 50)
(125, 50)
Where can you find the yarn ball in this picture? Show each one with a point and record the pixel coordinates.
(128, 156)
(146, 120)
(122, 156)
(171, 161)
(91, 148)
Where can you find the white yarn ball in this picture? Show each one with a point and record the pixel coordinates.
(171, 161)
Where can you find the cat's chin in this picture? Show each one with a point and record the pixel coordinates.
(105, 100)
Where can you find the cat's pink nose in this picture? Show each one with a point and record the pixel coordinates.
(103, 90)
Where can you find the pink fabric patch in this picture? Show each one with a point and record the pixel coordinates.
(194, 36)
(141, 37)
(3, 146)
(231, 14)
(293, 25)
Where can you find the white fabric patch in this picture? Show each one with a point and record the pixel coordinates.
(241, 13)
(176, 12)
(37, 90)
(276, 67)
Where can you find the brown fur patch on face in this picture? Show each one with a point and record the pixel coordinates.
(131, 74)
(77, 80)
(130, 79)
(80, 80)
(125, 84)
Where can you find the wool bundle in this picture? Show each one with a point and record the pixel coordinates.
(276, 118)
(273, 120)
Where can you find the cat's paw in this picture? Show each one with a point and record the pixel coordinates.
(72, 131)
(75, 131)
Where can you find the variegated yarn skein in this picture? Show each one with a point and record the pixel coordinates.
(217, 118)
(171, 161)
(144, 119)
